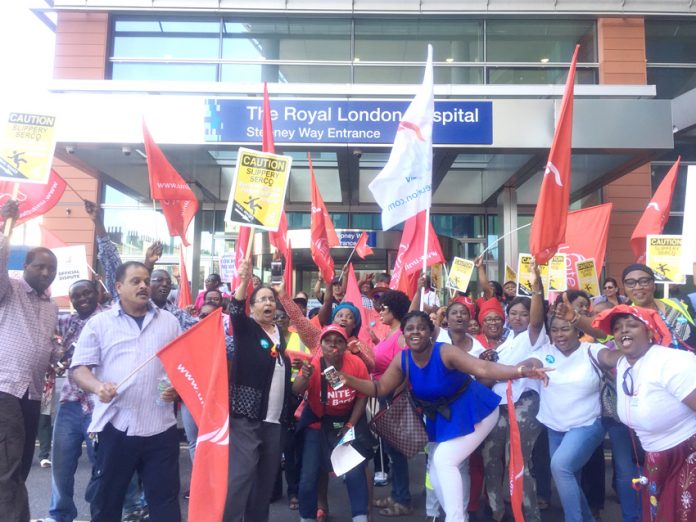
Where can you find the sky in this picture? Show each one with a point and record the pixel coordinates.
(26, 50)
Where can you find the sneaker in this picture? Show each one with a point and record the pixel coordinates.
(381, 479)
(45, 463)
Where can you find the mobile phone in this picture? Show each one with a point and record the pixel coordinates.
(276, 272)
(332, 378)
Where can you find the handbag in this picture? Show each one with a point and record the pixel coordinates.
(401, 424)
(607, 390)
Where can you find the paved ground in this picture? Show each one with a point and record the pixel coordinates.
(39, 486)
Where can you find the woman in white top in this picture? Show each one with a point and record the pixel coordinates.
(656, 396)
(525, 394)
(570, 405)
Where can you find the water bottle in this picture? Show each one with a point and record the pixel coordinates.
(163, 383)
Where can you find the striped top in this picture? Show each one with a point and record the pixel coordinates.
(113, 344)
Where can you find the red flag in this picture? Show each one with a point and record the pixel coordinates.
(656, 214)
(579, 245)
(409, 259)
(354, 296)
(183, 299)
(516, 460)
(362, 248)
(34, 199)
(287, 275)
(179, 203)
(323, 233)
(549, 224)
(200, 378)
(277, 239)
(240, 255)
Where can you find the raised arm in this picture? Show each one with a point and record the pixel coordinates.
(456, 359)
(565, 310)
(10, 210)
(483, 278)
(326, 307)
(307, 331)
(244, 272)
(107, 253)
(153, 254)
(416, 301)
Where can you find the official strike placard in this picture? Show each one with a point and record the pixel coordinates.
(26, 147)
(258, 189)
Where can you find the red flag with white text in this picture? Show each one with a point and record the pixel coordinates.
(362, 248)
(183, 298)
(579, 245)
(656, 214)
(179, 203)
(549, 224)
(34, 199)
(516, 467)
(323, 232)
(200, 378)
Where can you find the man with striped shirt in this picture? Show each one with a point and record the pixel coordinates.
(133, 422)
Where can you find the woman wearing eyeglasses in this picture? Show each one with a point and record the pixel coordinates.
(639, 283)
(610, 293)
(570, 405)
(259, 389)
(492, 320)
(656, 396)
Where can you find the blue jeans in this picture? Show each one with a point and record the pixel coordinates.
(355, 479)
(69, 432)
(569, 452)
(190, 429)
(624, 469)
(398, 464)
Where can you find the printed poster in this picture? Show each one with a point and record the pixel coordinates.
(544, 275)
(72, 266)
(460, 274)
(558, 282)
(27, 144)
(227, 269)
(258, 189)
(587, 277)
(525, 275)
(510, 274)
(664, 257)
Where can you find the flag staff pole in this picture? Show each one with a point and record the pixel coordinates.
(9, 222)
(503, 237)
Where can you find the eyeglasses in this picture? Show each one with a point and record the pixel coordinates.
(643, 281)
(609, 287)
(627, 383)
(265, 299)
(494, 319)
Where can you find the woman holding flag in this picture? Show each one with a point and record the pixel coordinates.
(460, 411)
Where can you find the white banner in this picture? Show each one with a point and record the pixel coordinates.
(689, 227)
(72, 266)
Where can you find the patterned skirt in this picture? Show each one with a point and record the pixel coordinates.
(672, 483)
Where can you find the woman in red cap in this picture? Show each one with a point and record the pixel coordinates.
(656, 396)
(330, 411)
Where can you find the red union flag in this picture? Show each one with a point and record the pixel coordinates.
(183, 299)
(549, 224)
(580, 245)
(34, 199)
(199, 376)
(179, 203)
(409, 258)
(362, 248)
(516, 460)
(323, 232)
(656, 214)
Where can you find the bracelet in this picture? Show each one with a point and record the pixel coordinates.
(521, 369)
(539, 292)
(575, 318)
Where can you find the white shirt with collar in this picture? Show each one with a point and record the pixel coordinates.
(514, 350)
(113, 344)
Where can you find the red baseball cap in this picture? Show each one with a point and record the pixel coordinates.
(333, 328)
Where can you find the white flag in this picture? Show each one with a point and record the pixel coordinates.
(404, 187)
(689, 225)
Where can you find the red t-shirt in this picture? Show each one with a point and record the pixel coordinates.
(338, 402)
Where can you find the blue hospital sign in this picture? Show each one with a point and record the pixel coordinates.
(363, 122)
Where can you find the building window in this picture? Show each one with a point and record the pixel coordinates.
(671, 56)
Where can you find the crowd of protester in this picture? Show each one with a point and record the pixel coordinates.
(616, 368)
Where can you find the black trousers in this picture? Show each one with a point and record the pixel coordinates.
(118, 456)
(19, 421)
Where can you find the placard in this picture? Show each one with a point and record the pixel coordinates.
(258, 189)
(26, 147)
(227, 268)
(72, 266)
(558, 281)
(663, 255)
(587, 277)
(460, 274)
(524, 275)
(510, 274)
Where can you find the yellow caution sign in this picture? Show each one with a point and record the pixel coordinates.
(587, 277)
(26, 147)
(510, 274)
(663, 255)
(558, 280)
(460, 274)
(525, 275)
(258, 190)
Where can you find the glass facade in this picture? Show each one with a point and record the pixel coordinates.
(350, 50)
(671, 56)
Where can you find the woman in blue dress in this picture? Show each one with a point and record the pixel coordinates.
(460, 411)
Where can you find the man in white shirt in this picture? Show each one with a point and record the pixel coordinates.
(133, 419)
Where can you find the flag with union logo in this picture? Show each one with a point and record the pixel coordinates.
(404, 187)
(322, 231)
(200, 378)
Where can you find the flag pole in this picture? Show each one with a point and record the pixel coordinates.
(9, 222)
(97, 276)
(136, 370)
(503, 237)
(348, 262)
(425, 240)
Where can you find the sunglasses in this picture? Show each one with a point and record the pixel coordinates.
(627, 383)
